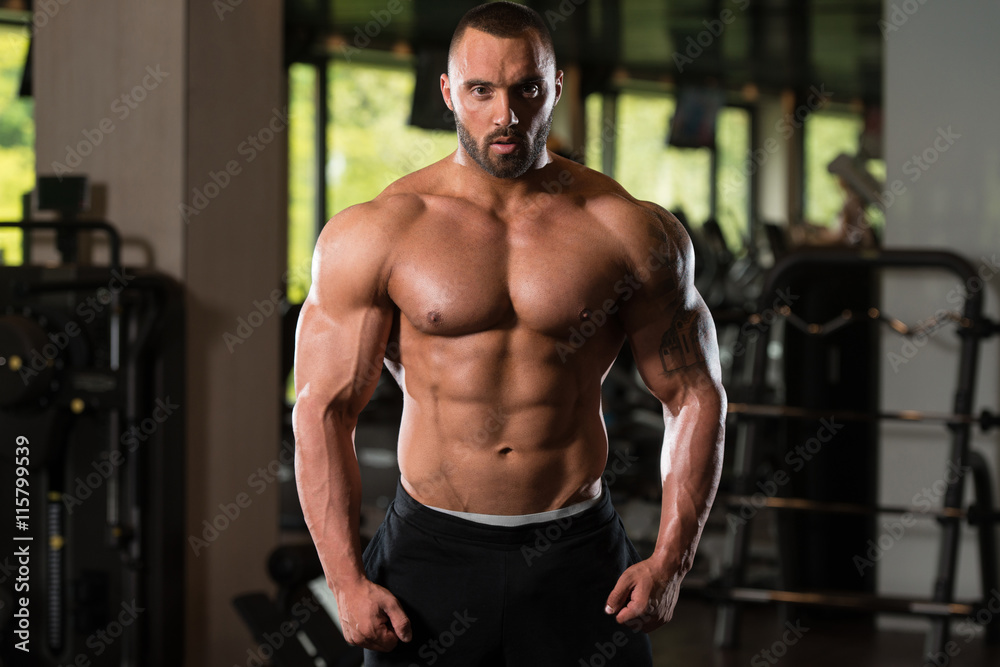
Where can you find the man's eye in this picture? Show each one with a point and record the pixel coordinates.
(531, 89)
(479, 90)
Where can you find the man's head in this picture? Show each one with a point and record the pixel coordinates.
(503, 86)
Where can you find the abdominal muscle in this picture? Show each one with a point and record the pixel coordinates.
(513, 432)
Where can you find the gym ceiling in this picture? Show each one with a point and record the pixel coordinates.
(773, 45)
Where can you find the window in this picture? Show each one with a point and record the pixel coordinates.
(17, 139)
(302, 177)
(598, 135)
(371, 142)
(679, 179)
(827, 135)
(732, 177)
(370, 145)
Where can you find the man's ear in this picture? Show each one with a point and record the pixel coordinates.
(559, 86)
(446, 90)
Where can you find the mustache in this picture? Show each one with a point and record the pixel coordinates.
(505, 133)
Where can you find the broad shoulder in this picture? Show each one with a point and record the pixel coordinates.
(641, 229)
(370, 224)
(354, 247)
(370, 230)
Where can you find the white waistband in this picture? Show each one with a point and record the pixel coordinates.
(511, 520)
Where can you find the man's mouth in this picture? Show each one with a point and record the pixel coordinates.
(504, 145)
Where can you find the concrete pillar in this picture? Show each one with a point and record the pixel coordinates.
(182, 104)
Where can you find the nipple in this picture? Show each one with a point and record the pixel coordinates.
(434, 317)
(585, 314)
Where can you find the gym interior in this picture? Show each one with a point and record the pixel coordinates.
(166, 168)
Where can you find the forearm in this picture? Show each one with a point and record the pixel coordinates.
(691, 465)
(329, 488)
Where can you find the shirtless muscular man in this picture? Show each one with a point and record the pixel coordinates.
(472, 273)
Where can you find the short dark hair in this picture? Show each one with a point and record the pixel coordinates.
(503, 19)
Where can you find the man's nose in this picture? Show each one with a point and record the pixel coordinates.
(505, 116)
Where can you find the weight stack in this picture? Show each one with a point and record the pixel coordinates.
(91, 388)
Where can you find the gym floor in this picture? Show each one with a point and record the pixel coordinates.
(687, 641)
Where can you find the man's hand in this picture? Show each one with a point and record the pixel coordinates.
(643, 598)
(371, 617)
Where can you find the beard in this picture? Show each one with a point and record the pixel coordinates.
(511, 165)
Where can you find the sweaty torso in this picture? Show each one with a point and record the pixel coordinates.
(506, 324)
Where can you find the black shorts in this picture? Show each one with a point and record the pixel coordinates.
(479, 595)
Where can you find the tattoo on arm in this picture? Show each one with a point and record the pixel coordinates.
(680, 345)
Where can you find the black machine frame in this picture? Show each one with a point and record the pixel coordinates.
(143, 516)
(732, 591)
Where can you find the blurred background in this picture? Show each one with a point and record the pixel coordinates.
(165, 169)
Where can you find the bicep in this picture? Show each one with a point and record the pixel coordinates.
(676, 351)
(668, 325)
(345, 322)
(338, 353)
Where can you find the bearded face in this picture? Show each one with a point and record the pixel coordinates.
(503, 92)
(505, 153)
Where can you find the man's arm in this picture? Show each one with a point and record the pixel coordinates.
(673, 340)
(339, 345)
